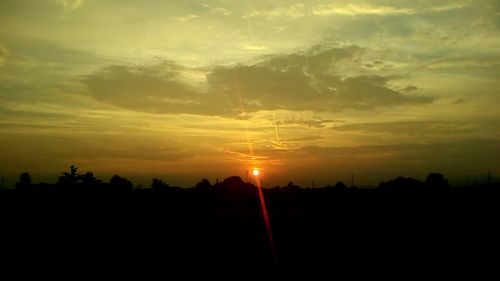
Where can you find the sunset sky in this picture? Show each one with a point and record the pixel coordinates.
(312, 90)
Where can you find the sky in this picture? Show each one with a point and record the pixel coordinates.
(304, 91)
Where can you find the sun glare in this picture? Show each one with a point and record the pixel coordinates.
(255, 172)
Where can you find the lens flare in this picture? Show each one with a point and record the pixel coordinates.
(265, 215)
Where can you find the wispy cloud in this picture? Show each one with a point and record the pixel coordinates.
(462, 62)
(70, 4)
(448, 7)
(359, 9)
(293, 11)
(217, 10)
(412, 128)
(254, 47)
(315, 122)
(187, 18)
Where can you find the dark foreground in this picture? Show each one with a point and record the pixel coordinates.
(203, 227)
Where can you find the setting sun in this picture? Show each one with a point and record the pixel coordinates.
(255, 172)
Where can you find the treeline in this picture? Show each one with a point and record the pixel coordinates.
(72, 181)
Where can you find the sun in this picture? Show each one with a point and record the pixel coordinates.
(255, 172)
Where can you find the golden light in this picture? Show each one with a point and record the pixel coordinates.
(255, 172)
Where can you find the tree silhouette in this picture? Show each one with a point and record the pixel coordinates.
(402, 184)
(88, 178)
(89, 181)
(158, 184)
(70, 179)
(204, 184)
(436, 181)
(340, 185)
(291, 185)
(118, 183)
(24, 181)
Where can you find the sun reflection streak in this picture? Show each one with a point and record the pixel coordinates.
(265, 214)
(258, 182)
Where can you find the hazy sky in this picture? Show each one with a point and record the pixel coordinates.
(312, 90)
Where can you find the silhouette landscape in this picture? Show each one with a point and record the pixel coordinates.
(225, 222)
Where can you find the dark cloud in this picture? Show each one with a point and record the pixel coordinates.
(300, 81)
(155, 89)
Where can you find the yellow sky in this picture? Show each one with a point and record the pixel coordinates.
(313, 90)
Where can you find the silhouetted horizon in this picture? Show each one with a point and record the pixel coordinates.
(232, 221)
(467, 181)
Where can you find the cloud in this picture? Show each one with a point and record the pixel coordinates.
(410, 88)
(463, 62)
(412, 128)
(448, 7)
(70, 4)
(217, 10)
(154, 89)
(450, 157)
(315, 122)
(299, 81)
(187, 18)
(292, 11)
(4, 53)
(254, 47)
(359, 9)
(457, 156)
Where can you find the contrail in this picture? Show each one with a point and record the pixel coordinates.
(276, 132)
(278, 139)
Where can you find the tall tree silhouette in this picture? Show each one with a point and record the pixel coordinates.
(70, 179)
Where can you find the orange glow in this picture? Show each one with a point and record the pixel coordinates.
(255, 172)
